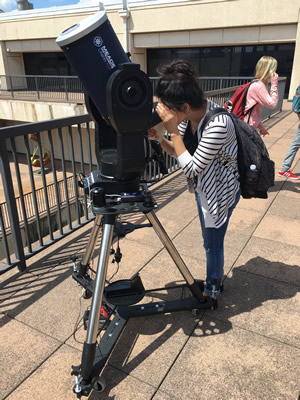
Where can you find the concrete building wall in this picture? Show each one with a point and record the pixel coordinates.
(158, 24)
(28, 111)
(295, 78)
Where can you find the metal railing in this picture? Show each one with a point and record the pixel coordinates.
(209, 84)
(54, 206)
(17, 174)
(70, 89)
(222, 95)
(28, 202)
(42, 88)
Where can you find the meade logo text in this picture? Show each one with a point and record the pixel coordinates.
(104, 53)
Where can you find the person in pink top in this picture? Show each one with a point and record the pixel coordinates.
(258, 95)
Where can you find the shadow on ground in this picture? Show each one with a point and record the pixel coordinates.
(244, 291)
(269, 123)
(24, 289)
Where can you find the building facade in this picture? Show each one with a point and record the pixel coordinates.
(221, 37)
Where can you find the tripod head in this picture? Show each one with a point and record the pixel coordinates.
(118, 97)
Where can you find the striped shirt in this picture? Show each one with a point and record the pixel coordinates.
(216, 185)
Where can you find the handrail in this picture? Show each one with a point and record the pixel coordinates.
(27, 197)
(70, 143)
(69, 88)
(28, 227)
(220, 96)
(41, 88)
(29, 237)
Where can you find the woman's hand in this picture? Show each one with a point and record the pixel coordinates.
(263, 134)
(274, 75)
(154, 134)
(169, 118)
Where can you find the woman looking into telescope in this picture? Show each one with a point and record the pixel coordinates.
(182, 108)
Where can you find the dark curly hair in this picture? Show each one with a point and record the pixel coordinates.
(178, 84)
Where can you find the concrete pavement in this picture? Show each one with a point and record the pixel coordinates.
(247, 349)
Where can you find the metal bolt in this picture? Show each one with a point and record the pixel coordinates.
(77, 387)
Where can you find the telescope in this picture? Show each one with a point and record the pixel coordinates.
(118, 96)
(119, 99)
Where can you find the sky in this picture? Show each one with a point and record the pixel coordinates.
(10, 5)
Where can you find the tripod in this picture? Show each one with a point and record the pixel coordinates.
(123, 296)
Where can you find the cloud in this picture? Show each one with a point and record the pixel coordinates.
(8, 5)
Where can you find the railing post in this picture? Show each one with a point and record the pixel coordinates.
(11, 86)
(66, 91)
(37, 87)
(11, 205)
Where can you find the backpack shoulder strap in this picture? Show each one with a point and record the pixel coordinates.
(210, 115)
(207, 118)
(244, 101)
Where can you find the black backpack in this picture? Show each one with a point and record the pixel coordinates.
(252, 151)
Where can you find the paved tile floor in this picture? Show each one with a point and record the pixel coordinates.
(247, 349)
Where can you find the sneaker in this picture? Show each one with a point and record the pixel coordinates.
(288, 174)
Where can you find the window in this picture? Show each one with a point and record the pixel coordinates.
(47, 64)
(226, 60)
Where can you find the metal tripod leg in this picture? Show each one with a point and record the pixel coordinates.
(91, 246)
(162, 234)
(89, 346)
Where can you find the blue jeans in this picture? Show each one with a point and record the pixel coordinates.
(290, 155)
(214, 247)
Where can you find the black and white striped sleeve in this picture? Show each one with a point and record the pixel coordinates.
(213, 138)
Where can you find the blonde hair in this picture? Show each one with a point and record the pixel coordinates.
(265, 67)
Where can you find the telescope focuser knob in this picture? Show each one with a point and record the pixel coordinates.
(148, 200)
(98, 197)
